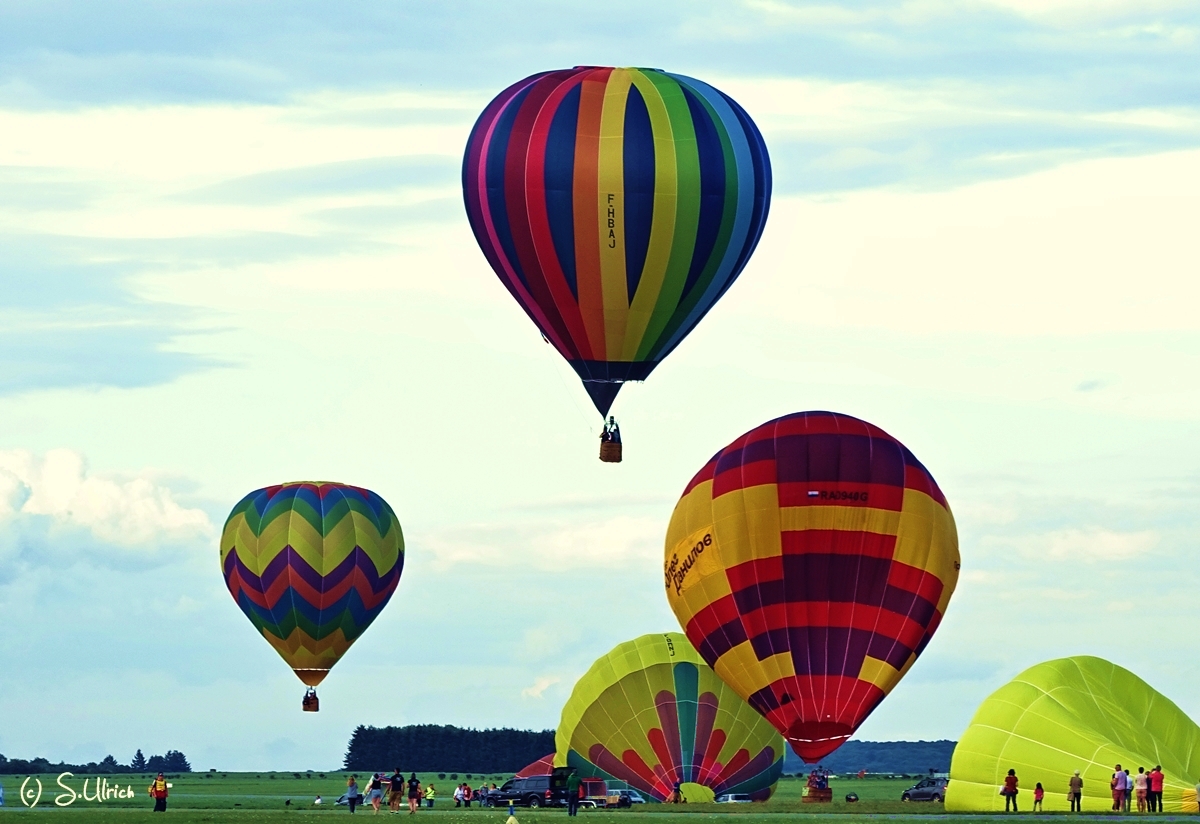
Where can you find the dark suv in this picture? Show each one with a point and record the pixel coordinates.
(927, 789)
(535, 791)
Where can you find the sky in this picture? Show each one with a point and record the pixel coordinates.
(233, 253)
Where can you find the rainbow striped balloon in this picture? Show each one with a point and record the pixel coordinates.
(617, 206)
(312, 565)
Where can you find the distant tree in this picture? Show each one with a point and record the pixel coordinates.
(442, 776)
(176, 762)
(156, 764)
(109, 765)
(434, 749)
(138, 764)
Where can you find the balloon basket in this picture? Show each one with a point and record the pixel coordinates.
(814, 796)
(610, 452)
(311, 703)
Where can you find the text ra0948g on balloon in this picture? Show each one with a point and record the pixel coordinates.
(312, 565)
(616, 206)
(810, 562)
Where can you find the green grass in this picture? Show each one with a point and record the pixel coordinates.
(249, 798)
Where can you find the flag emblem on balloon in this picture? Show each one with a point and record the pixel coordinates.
(810, 562)
(617, 206)
(312, 565)
(651, 713)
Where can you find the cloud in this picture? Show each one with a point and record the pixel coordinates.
(539, 686)
(135, 514)
(620, 543)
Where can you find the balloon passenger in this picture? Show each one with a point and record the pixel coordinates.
(612, 432)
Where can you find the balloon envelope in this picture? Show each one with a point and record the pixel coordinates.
(810, 562)
(651, 713)
(617, 206)
(312, 565)
(1080, 713)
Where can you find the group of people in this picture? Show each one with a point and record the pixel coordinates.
(1145, 789)
(395, 786)
(464, 795)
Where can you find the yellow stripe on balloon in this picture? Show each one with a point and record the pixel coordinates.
(844, 518)
(927, 539)
(611, 212)
(662, 225)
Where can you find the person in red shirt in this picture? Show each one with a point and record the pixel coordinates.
(1010, 790)
(159, 792)
(1156, 789)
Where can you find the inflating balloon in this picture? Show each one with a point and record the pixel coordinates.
(617, 206)
(810, 562)
(651, 713)
(1080, 713)
(312, 565)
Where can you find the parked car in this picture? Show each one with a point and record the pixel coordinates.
(534, 791)
(927, 789)
(624, 798)
(733, 798)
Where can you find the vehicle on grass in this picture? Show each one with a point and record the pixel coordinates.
(624, 798)
(593, 792)
(927, 789)
(733, 798)
(533, 792)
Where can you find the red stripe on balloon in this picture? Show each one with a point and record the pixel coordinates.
(539, 220)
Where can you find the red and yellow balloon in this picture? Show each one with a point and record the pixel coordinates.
(810, 562)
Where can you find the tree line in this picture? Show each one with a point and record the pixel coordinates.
(173, 762)
(895, 757)
(433, 748)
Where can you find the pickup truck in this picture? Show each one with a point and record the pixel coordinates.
(533, 792)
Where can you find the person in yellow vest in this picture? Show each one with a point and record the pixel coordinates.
(158, 791)
(430, 795)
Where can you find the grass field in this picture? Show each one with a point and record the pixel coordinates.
(249, 798)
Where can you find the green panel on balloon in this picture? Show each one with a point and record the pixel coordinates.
(1069, 714)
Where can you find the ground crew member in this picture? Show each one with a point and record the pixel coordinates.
(158, 791)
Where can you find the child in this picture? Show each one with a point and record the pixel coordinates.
(1038, 792)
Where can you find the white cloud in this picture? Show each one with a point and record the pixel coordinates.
(616, 544)
(1088, 544)
(540, 685)
(127, 513)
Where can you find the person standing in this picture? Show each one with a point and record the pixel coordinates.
(395, 790)
(1010, 790)
(375, 792)
(467, 795)
(414, 794)
(1141, 786)
(352, 796)
(1128, 792)
(1038, 795)
(159, 791)
(573, 785)
(1117, 783)
(1156, 789)
(430, 795)
(1075, 795)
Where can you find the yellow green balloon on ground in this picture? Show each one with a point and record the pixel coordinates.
(651, 714)
(1079, 713)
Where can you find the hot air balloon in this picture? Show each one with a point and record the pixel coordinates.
(810, 562)
(651, 713)
(312, 565)
(617, 206)
(1079, 713)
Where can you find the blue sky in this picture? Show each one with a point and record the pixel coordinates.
(232, 252)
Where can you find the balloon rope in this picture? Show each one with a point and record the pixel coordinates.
(573, 392)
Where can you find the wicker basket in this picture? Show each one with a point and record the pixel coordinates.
(815, 796)
(311, 703)
(610, 452)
